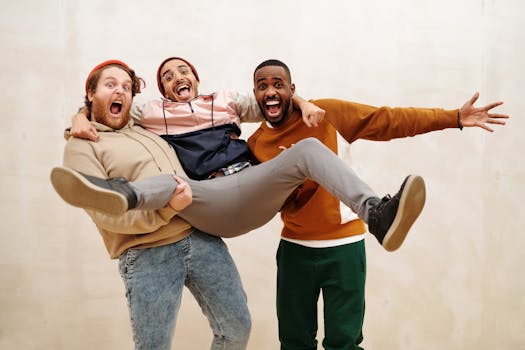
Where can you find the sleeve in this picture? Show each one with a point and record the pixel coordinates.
(67, 131)
(136, 112)
(133, 221)
(358, 121)
(247, 108)
(81, 156)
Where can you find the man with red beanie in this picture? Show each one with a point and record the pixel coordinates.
(159, 253)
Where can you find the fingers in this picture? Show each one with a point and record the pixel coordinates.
(93, 134)
(179, 179)
(496, 121)
(486, 128)
(307, 122)
(483, 126)
(474, 98)
(313, 117)
(492, 105)
(499, 116)
(313, 121)
(319, 116)
(181, 198)
(180, 188)
(89, 133)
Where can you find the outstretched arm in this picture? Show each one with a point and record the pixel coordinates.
(470, 116)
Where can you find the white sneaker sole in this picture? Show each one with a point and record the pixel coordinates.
(411, 204)
(76, 190)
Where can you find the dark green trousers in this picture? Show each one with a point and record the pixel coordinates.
(302, 274)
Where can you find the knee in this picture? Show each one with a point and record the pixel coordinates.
(243, 327)
(308, 150)
(307, 146)
(236, 335)
(309, 143)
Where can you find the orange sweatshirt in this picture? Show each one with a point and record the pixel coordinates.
(311, 212)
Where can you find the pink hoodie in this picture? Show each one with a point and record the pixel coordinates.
(166, 117)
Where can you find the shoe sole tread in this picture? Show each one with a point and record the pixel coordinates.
(411, 204)
(77, 191)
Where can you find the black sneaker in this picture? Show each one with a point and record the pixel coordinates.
(111, 196)
(390, 219)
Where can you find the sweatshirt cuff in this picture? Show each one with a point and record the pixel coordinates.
(167, 213)
(451, 119)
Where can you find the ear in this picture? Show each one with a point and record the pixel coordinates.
(90, 96)
(292, 87)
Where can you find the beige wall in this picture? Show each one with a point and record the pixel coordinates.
(458, 281)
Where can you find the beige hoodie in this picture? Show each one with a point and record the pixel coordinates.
(133, 153)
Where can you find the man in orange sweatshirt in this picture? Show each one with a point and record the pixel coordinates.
(320, 248)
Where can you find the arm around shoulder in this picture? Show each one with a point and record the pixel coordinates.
(246, 106)
(136, 112)
(81, 127)
(312, 114)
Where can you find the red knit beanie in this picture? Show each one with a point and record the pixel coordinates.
(102, 65)
(159, 83)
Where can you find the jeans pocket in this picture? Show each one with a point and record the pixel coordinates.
(127, 263)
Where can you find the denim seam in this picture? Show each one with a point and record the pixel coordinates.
(187, 255)
(127, 276)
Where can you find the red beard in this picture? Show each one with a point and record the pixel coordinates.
(101, 115)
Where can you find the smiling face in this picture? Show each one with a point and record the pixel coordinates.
(111, 100)
(273, 91)
(178, 81)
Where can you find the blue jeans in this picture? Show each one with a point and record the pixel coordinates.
(154, 279)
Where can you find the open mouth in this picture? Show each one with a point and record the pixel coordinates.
(183, 88)
(273, 107)
(116, 107)
(183, 92)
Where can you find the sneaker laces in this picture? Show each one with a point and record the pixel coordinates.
(384, 200)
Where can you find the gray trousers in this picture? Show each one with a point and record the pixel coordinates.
(232, 205)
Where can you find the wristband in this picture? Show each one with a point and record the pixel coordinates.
(460, 126)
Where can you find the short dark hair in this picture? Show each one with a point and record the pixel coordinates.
(274, 62)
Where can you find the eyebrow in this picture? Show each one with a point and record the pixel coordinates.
(264, 78)
(113, 78)
(166, 72)
(179, 66)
